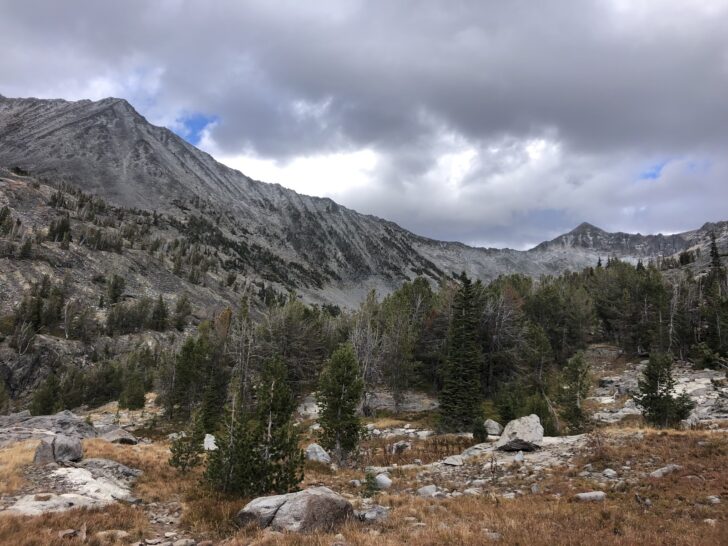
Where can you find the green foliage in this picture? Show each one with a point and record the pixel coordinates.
(158, 319)
(134, 389)
(480, 435)
(114, 288)
(4, 398)
(46, 398)
(60, 230)
(661, 407)
(576, 377)
(460, 396)
(339, 394)
(187, 448)
(370, 487)
(258, 453)
(182, 311)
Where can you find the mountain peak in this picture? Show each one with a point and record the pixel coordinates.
(585, 227)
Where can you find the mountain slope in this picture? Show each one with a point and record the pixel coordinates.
(330, 253)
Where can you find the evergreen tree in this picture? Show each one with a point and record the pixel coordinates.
(187, 448)
(576, 382)
(182, 310)
(132, 394)
(460, 395)
(115, 288)
(659, 404)
(4, 398)
(715, 262)
(72, 388)
(281, 455)
(339, 393)
(158, 320)
(47, 398)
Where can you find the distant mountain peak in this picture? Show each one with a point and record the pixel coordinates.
(586, 226)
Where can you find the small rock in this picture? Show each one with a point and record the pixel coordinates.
(355, 483)
(519, 457)
(710, 521)
(473, 491)
(492, 536)
(713, 499)
(383, 481)
(375, 513)
(665, 470)
(454, 460)
(493, 428)
(609, 473)
(400, 447)
(427, 491)
(184, 542)
(318, 454)
(591, 496)
(208, 444)
(120, 436)
(67, 533)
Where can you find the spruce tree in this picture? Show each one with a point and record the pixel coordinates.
(659, 404)
(4, 398)
(132, 394)
(339, 392)
(158, 320)
(576, 376)
(282, 458)
(460, 395)
(47, 398)
(187, 449)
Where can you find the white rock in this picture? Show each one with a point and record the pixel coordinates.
(454, 460)
(427, 491)
(316, 453)
(665, 470)
(524, 434)
(383, 481)
(493, 428)
(591, 496)
(609, 473)
(208, 444)
(519, 457)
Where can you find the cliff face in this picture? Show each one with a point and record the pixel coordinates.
(332, 254)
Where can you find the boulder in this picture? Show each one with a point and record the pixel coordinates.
(22, 426)
(208, 444)
(493, 428)
(316, 453)
(314, 509)
(400, 447)
(454, 460)
(524, 434)
(44, 453)
(665, 470)
(372, 514)
(383, 481)
(67, 448)
(591, 496)
(427, 491)
(120, 436)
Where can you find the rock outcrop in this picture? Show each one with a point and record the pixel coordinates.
(316, 453)
(18, 427)
(314, 509)
(524, 434)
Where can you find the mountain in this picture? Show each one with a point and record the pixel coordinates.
(326, 252)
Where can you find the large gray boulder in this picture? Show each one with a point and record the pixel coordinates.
(314, 509)
(59, 448)
(22, 426)
(67, 448)
(316, 453)
(493, 428)
(524, 434)
(120, 436)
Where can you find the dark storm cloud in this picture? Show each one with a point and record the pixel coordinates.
(493, 122)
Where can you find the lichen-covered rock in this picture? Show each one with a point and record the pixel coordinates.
(314, 509)
(120, 436)
(493, 428)
(316, 453)
(67, 448)
(44, 453)
(524, 434)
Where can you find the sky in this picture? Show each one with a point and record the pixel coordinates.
(495, 123)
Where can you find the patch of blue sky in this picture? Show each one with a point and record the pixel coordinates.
(191, 126)
(653, 172)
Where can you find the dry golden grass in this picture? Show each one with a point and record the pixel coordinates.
(43, 530)
(12, 461)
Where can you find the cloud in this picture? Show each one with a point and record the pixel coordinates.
(490, 122)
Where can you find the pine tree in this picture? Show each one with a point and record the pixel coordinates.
(158, 320)
(576, 376)
(715, 262)
(187, 449)
(339, 392)
(182, 310)
(4, 398)
(47, 398)
(460, 395)
(132, 394)
(281, 455)
(659, 404)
